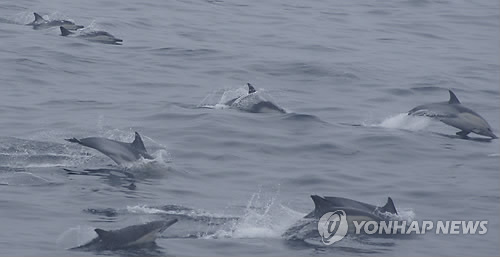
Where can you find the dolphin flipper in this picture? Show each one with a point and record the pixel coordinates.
(388, 207)
(463, 134)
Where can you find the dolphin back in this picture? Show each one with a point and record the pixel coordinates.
(323, 205)
(326, 204)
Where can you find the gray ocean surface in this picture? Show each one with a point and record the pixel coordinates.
(346, 72)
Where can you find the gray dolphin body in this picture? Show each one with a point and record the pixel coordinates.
(135, 236)
(354, 210)
(41, 23)
(354, 213)
(120, 152)
(252, 102)
(453, 113)
(94, 36)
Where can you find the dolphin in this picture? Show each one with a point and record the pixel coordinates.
(253, 102)
(94, 36)
(354, 210)
(135, 236)
(453, 113)
(119, 152)
(41, 23)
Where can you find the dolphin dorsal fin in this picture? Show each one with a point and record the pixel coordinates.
(389, 207)
(64, 31)
(38, 17)
(138, 142)
(453, 98)
(319, 202)
(251, 89)
(103, 234)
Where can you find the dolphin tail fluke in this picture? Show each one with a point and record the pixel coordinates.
(38, 17)
(64, 31)
(389, 207)
(453, 98)
(138, 144)
(251, 89)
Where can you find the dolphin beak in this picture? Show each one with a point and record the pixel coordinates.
(489, 133)
(168, 223)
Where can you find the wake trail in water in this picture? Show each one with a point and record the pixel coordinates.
(403, 121)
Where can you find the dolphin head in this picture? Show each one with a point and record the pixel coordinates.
(485, 132)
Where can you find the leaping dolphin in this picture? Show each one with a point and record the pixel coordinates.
(354, 210)
(94, 36)
(120, 152)
(135, 236)
(456, 115)
(254, 102)
(41, 23)
(349, 212)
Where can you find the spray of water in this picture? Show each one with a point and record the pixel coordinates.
(75, 236)
(404, 121)
(264, 217)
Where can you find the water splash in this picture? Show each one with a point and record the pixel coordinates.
(219, 98)
(404, 121)
(264, 217)
(407, 215)
(157, 167)
(75, 236)
(143, 209)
